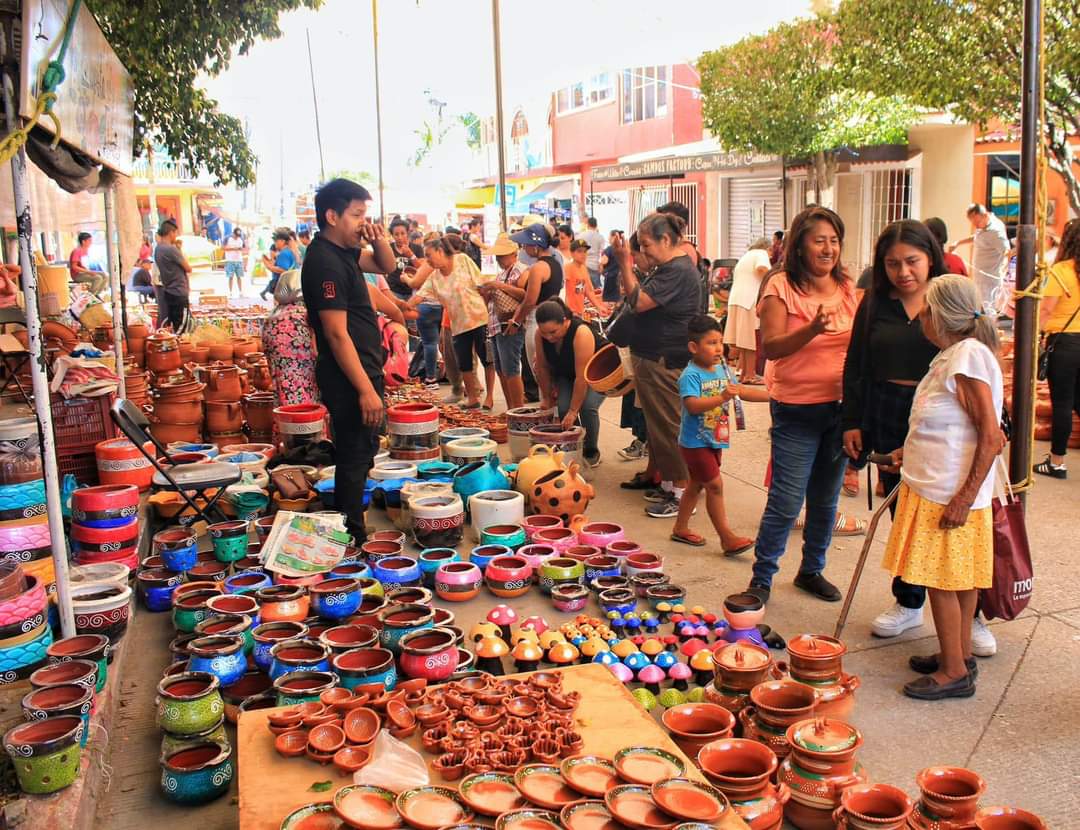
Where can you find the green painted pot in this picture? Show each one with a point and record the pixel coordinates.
(196, 774)
(513, 536)
(93, 647)
(174, 743)
(230, 548)
(190, 609)
(189, 703)
(560, 570)
(45, 753)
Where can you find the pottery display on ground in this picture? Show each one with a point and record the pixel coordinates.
(196, 774)
(46, 753)
(873, 807)
(437, 521)
(816, 660)
(946, 794)
(737, 668)
(774, 706)
(562, 493)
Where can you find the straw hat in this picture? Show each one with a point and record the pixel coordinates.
(502, 245)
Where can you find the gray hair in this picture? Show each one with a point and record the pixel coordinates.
(955, 310)
(762, 244)
(288, 289)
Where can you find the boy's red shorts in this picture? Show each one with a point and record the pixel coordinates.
(703, 463)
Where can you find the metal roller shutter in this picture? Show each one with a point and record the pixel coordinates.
(754, 209)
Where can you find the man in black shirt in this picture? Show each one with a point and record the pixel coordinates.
(343, 315)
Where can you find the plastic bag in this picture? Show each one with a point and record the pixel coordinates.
(394, 765)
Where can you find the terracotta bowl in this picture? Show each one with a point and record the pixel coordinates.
(326, 738)
(291, 744)
(362, 725)
(692, 725)
(349, 759)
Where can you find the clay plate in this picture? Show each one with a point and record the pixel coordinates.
(429, 808)
(689, 800)
(527, 820)
(367, 808)
(588, 815)
(543, 785)
(313, 817)
(589, 774)
(647, 765)
(491, 793)
(633, 805)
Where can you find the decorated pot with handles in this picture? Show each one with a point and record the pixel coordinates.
(742, 770)
(540, 461)
(562, 493)
(820, 766)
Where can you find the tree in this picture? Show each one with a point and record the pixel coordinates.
(782, 93)
(966, 58)
(166, 45)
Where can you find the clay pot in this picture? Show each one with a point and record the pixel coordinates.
(540, 461)
(737, 668)
(189, 703)
(693, 725)
(458, 581)
(641, 562)
(269, 634)
(777, 704)
(298, 655)
(336, 599)
(820, 766)
(342, 638)
(437, 521)
(364, 667)
(399, 620)
(600, 534)
(197, 774)
(259, 411)
(950, 793)
(508, 576)
(742, 770)
(562, 493)
(46, 753)
(430, 654)
(815, 658)
(537, 522)
(303, 686)
(1004, 818)
(224, 416)
(280, 603)
(560, 570)
(874, 807)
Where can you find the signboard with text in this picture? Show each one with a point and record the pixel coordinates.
(95, 101)
(679, 165)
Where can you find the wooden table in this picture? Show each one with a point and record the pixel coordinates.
(608, 717)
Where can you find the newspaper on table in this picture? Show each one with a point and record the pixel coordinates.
(302, 544)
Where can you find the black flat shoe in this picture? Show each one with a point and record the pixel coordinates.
(771, 638)
(819, 586)
(761, 592)
(928, 664)
(640, 481)
(926, 688)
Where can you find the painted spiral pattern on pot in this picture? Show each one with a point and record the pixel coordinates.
(101, 619)
(106, 465)
(438, 524)
(22, 750)
(222, 775)
(169, 783)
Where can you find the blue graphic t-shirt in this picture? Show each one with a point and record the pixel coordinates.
(709, 429)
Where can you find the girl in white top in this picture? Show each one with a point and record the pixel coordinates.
(741, 327)
(942, 533)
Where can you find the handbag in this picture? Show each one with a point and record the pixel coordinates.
(291, 483)
(505, 306)
(1043, 363)
(1013, 575)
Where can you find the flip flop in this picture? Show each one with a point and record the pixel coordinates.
(844, 526)
(741, 549)
(689, 539)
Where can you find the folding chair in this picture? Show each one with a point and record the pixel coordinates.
(13, 354)
(178, 477)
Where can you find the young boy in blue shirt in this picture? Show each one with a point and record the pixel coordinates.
(705, 387)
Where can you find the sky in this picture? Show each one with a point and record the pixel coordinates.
(444, 49)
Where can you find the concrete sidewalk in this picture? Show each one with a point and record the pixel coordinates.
(1018, 731)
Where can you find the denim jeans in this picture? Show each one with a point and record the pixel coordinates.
(589, 415)
(808, 463)
(430, 324)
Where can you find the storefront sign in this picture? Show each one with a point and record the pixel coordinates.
(95, 101)
(679, 165)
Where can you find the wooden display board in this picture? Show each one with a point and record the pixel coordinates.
(608, 717)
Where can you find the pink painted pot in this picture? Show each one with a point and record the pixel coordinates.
(642, 561)
(600, 534)
(429, 653)
(536, 555)
(534, 524)
(622, 548)
(458, 581)
(559, 538)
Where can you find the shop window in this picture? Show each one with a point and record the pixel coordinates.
(599, 89)
(1003, 188)
(644, 93)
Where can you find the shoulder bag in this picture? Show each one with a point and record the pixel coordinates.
(1043, 363)
(1010, 591)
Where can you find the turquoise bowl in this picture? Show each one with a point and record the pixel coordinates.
(197, 774)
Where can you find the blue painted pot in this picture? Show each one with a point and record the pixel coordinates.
(399, 620)
(294, 656)
(268, 635)
(247, 582)
(361, 666)
(209, 450)
(158, 599)
(221, 655)
(179, 559)
(197, 774)
(620, 600)
(350, 570)
(430, 561)
(482, 555)
(156, 586)
(336, 598)
(395, 572)
(601, 566)
(436, 470)
(20, 661)
(478, 476)
(302, 686)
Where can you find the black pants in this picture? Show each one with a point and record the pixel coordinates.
(176, 309)
(355, 445)
(1063, 375)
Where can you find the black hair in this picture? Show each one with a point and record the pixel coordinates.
(455, 241)
(305, 232)
(635, 246)
(1069, 248)
(591, 222)
(909, 232)
(797, 274)
(282, 233)
(705, 261)
(938, 229)
(569, 231)
(84, 236)
(399, 223)
(579, 244)
(778, 235)
(976, 208)
(337, 195)
(659, 224)
(553, 311)
(442, 243)
(676, 209)
(700, 325)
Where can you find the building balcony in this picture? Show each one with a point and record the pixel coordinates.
(167, 171)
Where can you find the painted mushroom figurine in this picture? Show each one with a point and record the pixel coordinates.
(621, 671)
(702, 664)
(489, 654)
(526, 655)
(503, 616)
(536, 623)
(680, 674)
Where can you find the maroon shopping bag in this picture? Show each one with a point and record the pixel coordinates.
(1013, 574)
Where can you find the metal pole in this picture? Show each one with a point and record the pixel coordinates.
(1026, 308)
(378, 103)
(151, 191)
(499, 113)
(117, 299)
(315, 103)
(39, 380)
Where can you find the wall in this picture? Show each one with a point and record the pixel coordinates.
(948, 174)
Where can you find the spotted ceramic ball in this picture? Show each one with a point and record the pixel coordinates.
(671, 697)
(646, 698)
(696, 695)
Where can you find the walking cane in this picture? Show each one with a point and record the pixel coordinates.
(875, 458)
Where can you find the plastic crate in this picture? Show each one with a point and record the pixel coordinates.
(82, 465)
(80, 423)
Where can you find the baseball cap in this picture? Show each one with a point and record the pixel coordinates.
(533, 235)
(579, 244)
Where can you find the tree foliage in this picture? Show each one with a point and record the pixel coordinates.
(966, 58)
(166, 45)
(782, 92)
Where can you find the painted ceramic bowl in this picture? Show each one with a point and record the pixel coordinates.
(220, 655)
(247, 582)
(364, 666)
(511, 535)
(156, 587)
(508, 576)
(429, 653)
(55, 701)
(431, 559)
(93, 647)
(298, 655)
(101, 609)
(81, 672)
(189, 607)
(536, 554)
(397, 572)
(482, 555)
(600, 534)
(268, 635)
(399, 620)
(280, 603)
(602, 565)
(46, 753)
(335, 599)
(303, 686)
(196, 774)
(560, 570)
(458, 581)
(189, 703)
(342, 638)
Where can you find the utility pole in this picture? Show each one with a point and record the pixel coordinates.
(1026, 307)
(499, 113)
(151, 192)
(315, 103)
(378, 104)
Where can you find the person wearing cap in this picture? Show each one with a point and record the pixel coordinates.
(173, 271)
(543, 280)
(503, 295)
(284, 259)
(579, 285)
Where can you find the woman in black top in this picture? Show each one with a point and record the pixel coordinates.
(542, 281)
(887, 357)
(564, 345)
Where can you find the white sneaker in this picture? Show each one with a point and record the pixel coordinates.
(896, 620)
(983, 643)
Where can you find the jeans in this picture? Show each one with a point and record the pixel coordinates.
(633, 418)
(594, 277)
(589, 415)
(1063, 375)
(508, 353)
(808, 463)
(430, 326)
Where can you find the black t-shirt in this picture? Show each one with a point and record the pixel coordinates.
(563, 361)
(393, 279)
(331, 280)
(662, 332)
(612, 288)
(554, 283)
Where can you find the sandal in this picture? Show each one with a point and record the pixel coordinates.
(689, 539)
(845, 525)
(851, 482)
(740, 548)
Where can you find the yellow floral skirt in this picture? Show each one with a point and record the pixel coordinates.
(920, 552)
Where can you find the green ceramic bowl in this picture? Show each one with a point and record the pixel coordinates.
(559, 570)
(189, 703)
(45, 753)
